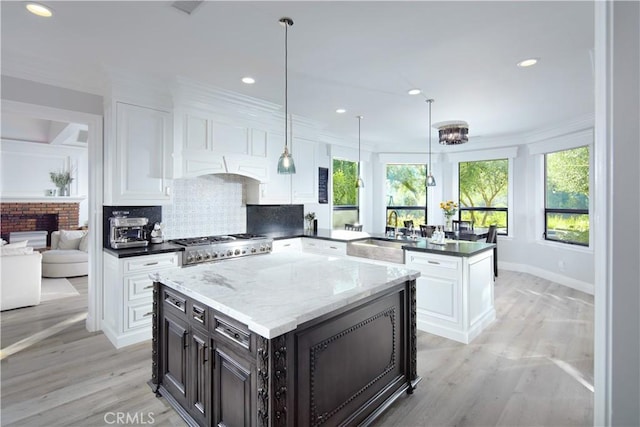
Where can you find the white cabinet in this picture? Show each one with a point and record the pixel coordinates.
(300, 187)
(138, 155)
(454, 295)
(304, 183)
(324, 247)
(128, 295)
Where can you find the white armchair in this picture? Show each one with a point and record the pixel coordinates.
(21, 278)
(68, 256)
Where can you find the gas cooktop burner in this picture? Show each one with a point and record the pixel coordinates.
(206, 240)
(215, 248)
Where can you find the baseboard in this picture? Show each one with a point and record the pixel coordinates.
(129, 338)
(569, 282)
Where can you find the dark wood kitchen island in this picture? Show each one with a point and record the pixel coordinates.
(286, 339)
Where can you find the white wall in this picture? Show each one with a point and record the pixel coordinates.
(25, 168)
(617, 298)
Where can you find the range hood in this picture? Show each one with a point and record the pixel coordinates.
(191, 166)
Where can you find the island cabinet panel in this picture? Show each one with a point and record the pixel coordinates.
(200, 376)
(175, 357)
(349, 364)
(233, 387)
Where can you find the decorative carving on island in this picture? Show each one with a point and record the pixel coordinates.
(279, 380)
(263, 381)
(155, 363)
(413, 336)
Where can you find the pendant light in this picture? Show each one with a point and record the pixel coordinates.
(359, 181)
(431, 181)
(285, 163)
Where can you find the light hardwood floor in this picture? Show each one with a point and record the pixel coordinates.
(532, 367)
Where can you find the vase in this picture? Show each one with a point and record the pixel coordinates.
(63, 190)
(447, 223)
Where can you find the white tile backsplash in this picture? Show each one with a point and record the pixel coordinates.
(206, 206)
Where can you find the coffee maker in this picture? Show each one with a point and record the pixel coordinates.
(127, 232)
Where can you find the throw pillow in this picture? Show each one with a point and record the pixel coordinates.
(22, 244)
(70, 239)
(84, 243)
(7, 251)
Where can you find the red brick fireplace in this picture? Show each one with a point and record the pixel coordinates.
(38, 217)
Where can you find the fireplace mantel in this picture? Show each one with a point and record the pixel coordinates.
(41, 199)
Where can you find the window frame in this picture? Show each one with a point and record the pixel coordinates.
(335, 207)
(490, 208)
(399, 208)
(569, 211)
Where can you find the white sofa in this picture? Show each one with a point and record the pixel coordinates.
(68, 256)
(20, 277)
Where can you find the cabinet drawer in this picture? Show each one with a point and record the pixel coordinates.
(287, 245)
(151, 262)
(174, 302)
(235, 334)
(324, 247)
(138, 287)
(139, 316)
(435, 265)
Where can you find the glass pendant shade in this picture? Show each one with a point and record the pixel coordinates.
(431, 181)
(359, 182)
(285, 163)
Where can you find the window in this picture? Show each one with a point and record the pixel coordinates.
(483, 193)
(566, 211)
(406, 193)
(345, 193)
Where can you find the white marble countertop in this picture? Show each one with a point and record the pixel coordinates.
(273, 294)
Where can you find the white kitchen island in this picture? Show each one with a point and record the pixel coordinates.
(284, 339)
(455, 289)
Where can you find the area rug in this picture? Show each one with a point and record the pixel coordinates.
(56, 288)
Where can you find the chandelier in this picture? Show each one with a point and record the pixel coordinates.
(453, 133)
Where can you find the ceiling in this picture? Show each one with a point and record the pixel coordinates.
(359, 55)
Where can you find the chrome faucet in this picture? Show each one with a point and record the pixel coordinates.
(394, 213)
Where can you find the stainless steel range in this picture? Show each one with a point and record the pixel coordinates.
(214, 248)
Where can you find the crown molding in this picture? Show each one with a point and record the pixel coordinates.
(50, 72)
(570, 127)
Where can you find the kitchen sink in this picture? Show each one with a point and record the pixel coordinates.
(389, 250)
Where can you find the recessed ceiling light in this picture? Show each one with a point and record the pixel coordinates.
(414, 91)
(341, 111)
(248, 80)
(527, 62)
(39, 9)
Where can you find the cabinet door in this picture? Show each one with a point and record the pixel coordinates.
(175, 357)
(304, 183)
(142, 152)
(200, 376)
(232, 389)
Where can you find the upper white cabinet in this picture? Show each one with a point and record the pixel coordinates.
(138, 155)
(304, 184)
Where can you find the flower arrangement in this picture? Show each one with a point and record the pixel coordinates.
(449, 208)
(309, 217)
(61, 179)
